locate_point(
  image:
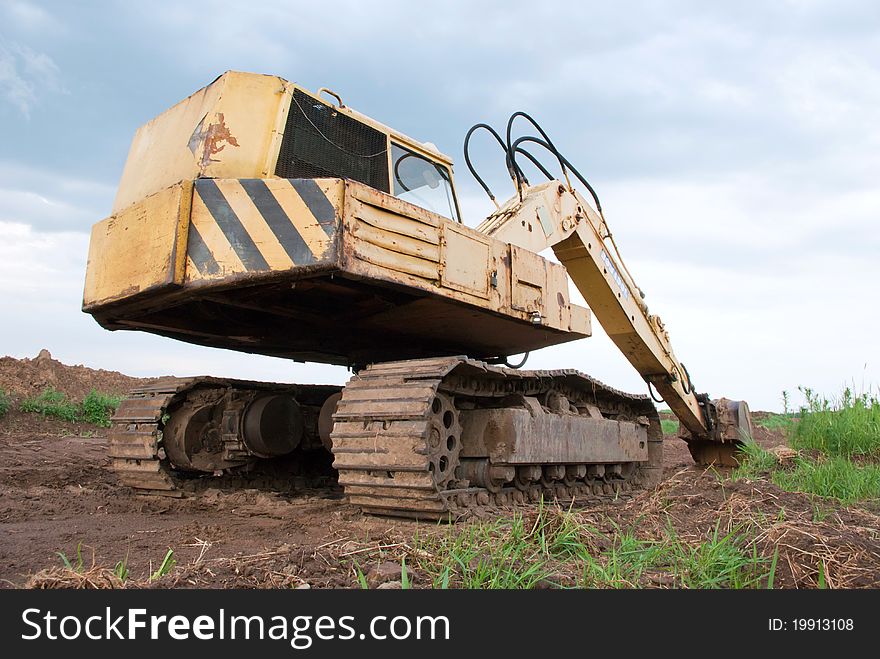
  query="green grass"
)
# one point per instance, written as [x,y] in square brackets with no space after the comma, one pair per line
[836,477]
[5,403]
[828,434]
[558,549]
[756,462]
[405,583]
[52,403]
[775,422]
[623,564]
[669,426]
[503,554]
[722,560]
[847,426]
[96,408]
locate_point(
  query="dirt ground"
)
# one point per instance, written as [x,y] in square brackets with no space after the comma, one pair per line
[56,493]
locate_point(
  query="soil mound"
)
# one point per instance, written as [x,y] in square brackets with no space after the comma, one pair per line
[23,378]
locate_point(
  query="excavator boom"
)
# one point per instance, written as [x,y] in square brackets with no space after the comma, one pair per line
[555,215]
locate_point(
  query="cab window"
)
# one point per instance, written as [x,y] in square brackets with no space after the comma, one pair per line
[422,182]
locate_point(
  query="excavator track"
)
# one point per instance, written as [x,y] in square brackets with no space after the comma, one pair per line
[135,437]
[139,451]
[397,437]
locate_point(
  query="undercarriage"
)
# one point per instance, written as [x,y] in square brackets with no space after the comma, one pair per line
[429,439]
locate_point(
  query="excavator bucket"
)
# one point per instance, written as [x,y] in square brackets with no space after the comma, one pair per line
[732,426]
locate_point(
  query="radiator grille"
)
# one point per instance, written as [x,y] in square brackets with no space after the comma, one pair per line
[320,142]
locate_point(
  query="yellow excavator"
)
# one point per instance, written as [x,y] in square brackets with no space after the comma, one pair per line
[260,217]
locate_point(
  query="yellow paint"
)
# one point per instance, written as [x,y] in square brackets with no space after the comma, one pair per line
[217,243]
[302,218]
[230,129]
[224,131]
[140,249]
[465,260]
[264,238]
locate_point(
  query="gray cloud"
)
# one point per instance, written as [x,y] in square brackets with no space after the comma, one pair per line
[25,76]
[735,147]
[48,201]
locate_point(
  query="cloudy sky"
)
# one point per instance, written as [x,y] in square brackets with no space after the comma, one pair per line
[735,146]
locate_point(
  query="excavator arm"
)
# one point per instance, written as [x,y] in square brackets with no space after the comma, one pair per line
[554,215]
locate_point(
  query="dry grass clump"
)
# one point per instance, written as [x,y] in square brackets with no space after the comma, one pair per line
[64,577]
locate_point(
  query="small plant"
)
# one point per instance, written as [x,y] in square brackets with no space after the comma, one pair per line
[5,403]
[362,580]
[98,408]
[669,426]
[167,565]
[51,403]
[404,576]
[121,569]
[70,565]
[77,565]
[771,577]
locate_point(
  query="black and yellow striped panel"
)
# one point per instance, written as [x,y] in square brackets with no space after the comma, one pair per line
[260,225]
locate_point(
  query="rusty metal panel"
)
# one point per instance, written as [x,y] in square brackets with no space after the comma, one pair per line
[465,265]
[516,436]
[390,239]
[227,129]
[556,306]
[403,225]
[528,277]
[368,232]
[261,225]
[139,250]
[580,320]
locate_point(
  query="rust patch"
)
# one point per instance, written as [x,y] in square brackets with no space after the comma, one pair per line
[128,292]
[211,140]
